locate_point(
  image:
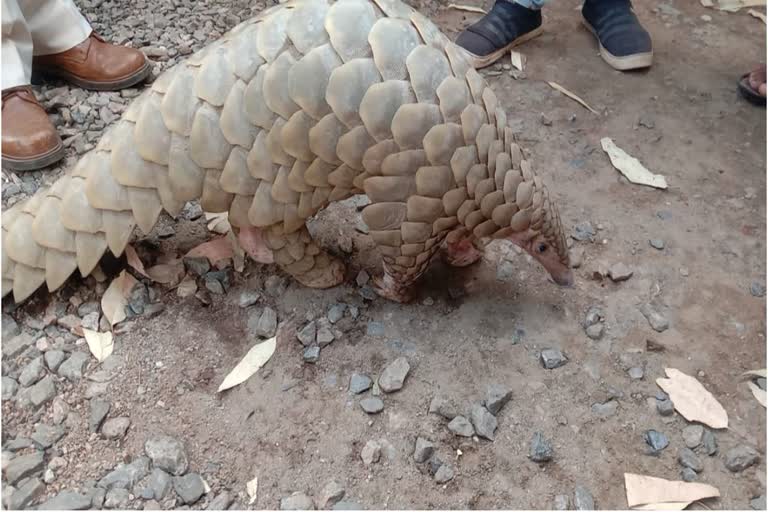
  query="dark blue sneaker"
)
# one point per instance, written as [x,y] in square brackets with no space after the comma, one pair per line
[505,26]
[624,43]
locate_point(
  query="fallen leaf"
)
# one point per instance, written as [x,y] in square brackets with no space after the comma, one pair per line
[99,343]
[692,400]
[758,392]
[756,373]
[252,242]
[252,488]
[707,3]
[568,93]
[167,273]
[756,14]
[517,59]
[468,8]
[250,364]
[631,167]
[116,297]
[651,493]
[215,250]
[134,261]
[218,222]
[736,5]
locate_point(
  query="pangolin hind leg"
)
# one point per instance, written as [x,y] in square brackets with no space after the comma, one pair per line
[462,248]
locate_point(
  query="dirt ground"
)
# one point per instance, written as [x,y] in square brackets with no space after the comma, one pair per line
[296,427]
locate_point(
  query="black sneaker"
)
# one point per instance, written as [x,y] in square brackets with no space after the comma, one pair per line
[504,27]
[624,43]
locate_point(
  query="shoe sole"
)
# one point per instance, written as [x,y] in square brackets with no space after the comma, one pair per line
[36,163]
[627,63]
[479,62]
[114,85]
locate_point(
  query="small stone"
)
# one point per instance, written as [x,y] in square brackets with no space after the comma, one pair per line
[10,329]
[347,505]
[69,322]
[393,376]
[541,449]
[332,493]
[187,287]
[297,501]
[23,466]
[22,497]
[757,289]
[484,422]
[324,334]
[496,397]
[552,358]
[444,474]
[17,344]
[49,476]
[758,503]
[53,359]
[443,407]
[125,476]
[98,412]
[635,373]
[198,266]
[91,321]
[115,428]
[656,440]
[374,329]
[9,388]
[461,427]
[619,272]
[32,372]
[359,383]
[372,405]
[688,475]
[582,498]
[221,502]
[189,487]
[263,324]
[307,334]
[72,368]
[275,286]
[18,444]
[595,332]
[605,410]
[362,278]
[583,232]
[740,458]
[692,435]
[665,407]
[46,435]
[154,505]
[167,454]
[67,500]
[657,321]
[709,443]
[546,121]
[657,243]
[116,498]
[562,502]
[423,450]
[159,483]
[213,285]
[687,458]
[248,298]
[336,313]
[311,354]
[371,453]
[43,391]
[761,383]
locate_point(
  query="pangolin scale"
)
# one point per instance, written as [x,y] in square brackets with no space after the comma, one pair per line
[308,103]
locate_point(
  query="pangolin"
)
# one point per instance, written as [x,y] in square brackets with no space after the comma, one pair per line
[310,102]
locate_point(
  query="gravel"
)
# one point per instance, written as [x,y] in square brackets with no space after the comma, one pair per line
[23,466]
[125,476]
[72,368]
[263,324]
[32,489]
[741,457]
[636,373]
[443,407]
[758,503]
[53,359]
[496,397]
[687,458]
[98,412]
[9,388]
[552,358]
[32,372]
[374,329]
[297,501]
[583,232]
[307,334]
[359,383]
[17,344]
[116,498]
[45,435]
[372,405]
[461,427]
[115,428]
[332,493]
[619,272]
[248,298]
[189,487]
[692,435]
[582,498]
[757,289]
[656,441]
[541,449]
[688,475]
[657,321]
[159,482]
[665,407]
[168,454]
[444,474]
[484,422]
[423,450]
[43,391]
[393,376]
[657,243]
[709,443]
[222,501]
[561,502]
[324,334]
[605,410]
[67,500]
[370,453]
[595,332]
[311,354]
[336,312]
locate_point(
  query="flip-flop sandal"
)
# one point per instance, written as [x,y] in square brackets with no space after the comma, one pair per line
[748,92]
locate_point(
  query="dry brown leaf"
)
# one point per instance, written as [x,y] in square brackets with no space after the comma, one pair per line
[116,297]
[256,357]
[568,93]
[218,222]
[252,488]
[134,261]
[643,490]
[692,400]
[631,167]
[252,242]
[758,392]
[170,273]
[100,344]
[468,8]
[757,14]
[215,250]
[517,59]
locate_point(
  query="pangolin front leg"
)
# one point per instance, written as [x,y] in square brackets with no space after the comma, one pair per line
[300,256]
[462,248]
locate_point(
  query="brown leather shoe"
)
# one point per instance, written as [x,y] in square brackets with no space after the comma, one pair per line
[30,141]
[95,64]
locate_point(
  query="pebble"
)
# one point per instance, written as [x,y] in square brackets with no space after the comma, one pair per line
[125,476]
[758,503]
[605,410]
[688,475]
[336,313]
[423,450]
[709,443]
[636,373]
[297,501]
[23,466]
[443,407]
[582,498]
[371,453]
[221,502]
[115,428]
[17,345]
[619,272]
[307,334]
[393,376]
[275,286]
[665,407]
[372,405]
[444,474]
[656,440]
[168,454]
[43,391]
[692,435]
[595,332]
[324,334]
[311,354]
[687,458]
[264,323]
[116,498]
[362,278]
[657,321]
[53,359]
[189,487]
[484,422]
[331,494]
[198,266]
[46,435]
[347,505]
[757,289]
[761,383]
[741,457]
[9,388]
[496,397]
[22,497]
[91,321]
[98,412]
[374,329]
[562,502]
[657,243]
[461,427]
[359,383]
[541,449]
[552,358]
[159,483]
[10,329]
[32,372]
[67,500]
[583,232]
[72,368]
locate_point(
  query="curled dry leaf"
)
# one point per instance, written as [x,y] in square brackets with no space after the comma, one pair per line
[215,250]
[757,14]
[692,400]
[218,222]
[517,59]
[134,261]
[568,93]
[467,8]
[252,242]
[631,167]
[250,364]
[757,392]
[170,273]
[651,493]
[116,297]
[100,344]
[252,488]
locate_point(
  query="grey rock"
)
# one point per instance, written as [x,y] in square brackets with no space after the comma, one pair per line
[86,308]
[336,313]
[60,410]
[461,426]
[636,373]
[324,333]
[20,443]
[22,497]
[17,344]
[665,407]
[10,387]
[275,286]
[595,332]
[443,407]
[657,243]
[562,502]
[444,474]
[222,501]
[692,435]
[374,329]
[54,358]
[372,405]
[98,412]
[67,500]
[708,443]
[541,449]
[213,285]
[582,498]
[619,272]
[484,422]
[167,454]
[72,368]
[362,278]
[43,391]
[758,503]
[347,505]
[248,298]
[423,450]
[605,410]
[189,487]
[10,328]
[116,498]
[552,358]
[46,435]
[757,289]
[311,354]
[297,501]
[198,266]
[688,475]
[496,397]
[115,428]
[761,383]
[687,458]
[331,494]
[657,321]
[370,453]
[359,383]
[583,232]
[264,323]
[741,457]
[656,440]
[393,376]
[23,466]
[307,334]
[32,372]
[125,476]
